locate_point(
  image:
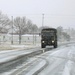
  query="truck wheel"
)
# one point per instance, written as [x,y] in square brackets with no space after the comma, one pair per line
[42,45]
[55,45]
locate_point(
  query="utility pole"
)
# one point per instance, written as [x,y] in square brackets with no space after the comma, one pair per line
[42,20]
[12,30]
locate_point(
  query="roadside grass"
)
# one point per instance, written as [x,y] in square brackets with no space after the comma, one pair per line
[26,42]
[7,47]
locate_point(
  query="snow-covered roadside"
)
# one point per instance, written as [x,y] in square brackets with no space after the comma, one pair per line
[70,65]
[16,47]
[7,55]
[10,55]
[57,57]
[68,70]
[62,62]
[26,46]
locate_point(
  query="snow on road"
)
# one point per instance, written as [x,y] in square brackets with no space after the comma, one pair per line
[61,62]
[11,54]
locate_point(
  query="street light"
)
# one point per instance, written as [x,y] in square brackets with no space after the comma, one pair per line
[42,20]
[12,30]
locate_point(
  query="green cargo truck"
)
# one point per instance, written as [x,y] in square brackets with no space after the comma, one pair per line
[49,37]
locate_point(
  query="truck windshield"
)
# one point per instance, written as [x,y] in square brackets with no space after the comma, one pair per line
[48,33]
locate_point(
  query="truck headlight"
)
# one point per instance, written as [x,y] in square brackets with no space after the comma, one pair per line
[43,41]
[52,41]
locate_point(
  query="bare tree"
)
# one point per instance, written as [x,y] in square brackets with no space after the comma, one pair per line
[29,26]
[4,23]
[20,25]
[34,28]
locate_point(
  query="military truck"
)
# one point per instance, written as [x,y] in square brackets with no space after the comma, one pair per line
[49,37]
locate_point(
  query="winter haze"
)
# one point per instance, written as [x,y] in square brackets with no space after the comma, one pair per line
[56,12]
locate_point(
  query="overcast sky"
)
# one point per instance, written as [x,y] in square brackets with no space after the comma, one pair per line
[56,12]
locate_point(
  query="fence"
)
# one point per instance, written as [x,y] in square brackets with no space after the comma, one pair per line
[25,39]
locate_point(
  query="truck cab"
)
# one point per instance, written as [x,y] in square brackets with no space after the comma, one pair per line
[49,37]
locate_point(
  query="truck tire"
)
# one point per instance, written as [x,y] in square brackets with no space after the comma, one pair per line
[42,45]
[55,45]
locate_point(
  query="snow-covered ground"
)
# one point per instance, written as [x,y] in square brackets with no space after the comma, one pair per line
[61,60]
[7,55]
